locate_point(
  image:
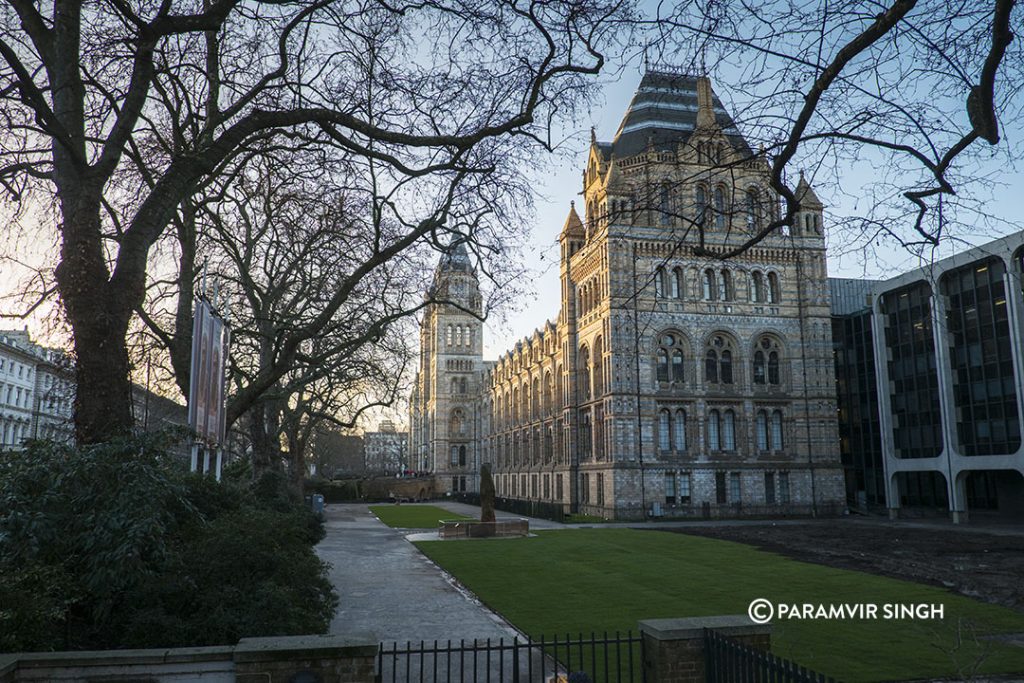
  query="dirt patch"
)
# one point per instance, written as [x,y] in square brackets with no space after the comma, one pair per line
[985,566]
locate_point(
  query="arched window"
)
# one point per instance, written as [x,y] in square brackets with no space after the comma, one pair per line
[710,288]
[753,209]
[777,430]
[757,290]
[659,282]
[669,358]
[719,153]
[762,430]
[665,204]
[725,286]
[773,288]
[462,456]
[535,405]
[760,374]
[714,423]
[773,367]
[469,336]
[677,283]
[458,335]
[548,393]
[449,336]
[457,423]
[584,373]
[729,431]
[711,366]
[680,430]
[700,209]
[718,360]
[719,208]
[664,429]
[598,367]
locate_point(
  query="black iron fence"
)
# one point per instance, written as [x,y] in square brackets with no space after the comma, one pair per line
[528,508]
[729,661]
[596,659]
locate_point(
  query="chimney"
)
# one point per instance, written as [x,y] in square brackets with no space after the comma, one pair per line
[705,112]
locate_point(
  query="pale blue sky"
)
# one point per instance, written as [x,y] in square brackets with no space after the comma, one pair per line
[562,183]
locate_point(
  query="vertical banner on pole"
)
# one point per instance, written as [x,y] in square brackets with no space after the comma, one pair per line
[206,410]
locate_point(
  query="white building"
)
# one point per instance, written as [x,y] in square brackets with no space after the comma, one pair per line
[386,449]
[18,365]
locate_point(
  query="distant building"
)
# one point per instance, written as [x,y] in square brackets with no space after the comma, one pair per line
[18,391]
[386,449]
[37,395]
[939,352]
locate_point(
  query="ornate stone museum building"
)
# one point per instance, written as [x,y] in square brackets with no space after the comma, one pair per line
[668,384]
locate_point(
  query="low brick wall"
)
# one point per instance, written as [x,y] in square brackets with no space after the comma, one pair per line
[465,528]
[325,659]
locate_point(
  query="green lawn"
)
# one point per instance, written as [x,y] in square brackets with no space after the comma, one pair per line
[413,516]
[608,579]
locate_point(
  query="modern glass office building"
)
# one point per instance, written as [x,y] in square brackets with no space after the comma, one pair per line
[929,370]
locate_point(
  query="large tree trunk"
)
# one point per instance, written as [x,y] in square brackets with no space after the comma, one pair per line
[99,319]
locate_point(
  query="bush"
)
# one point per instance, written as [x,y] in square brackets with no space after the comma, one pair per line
[110,546]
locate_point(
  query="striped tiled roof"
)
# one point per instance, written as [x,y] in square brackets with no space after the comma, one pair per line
[664,111]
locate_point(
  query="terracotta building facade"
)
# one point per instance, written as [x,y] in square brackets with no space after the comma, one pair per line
[669,384]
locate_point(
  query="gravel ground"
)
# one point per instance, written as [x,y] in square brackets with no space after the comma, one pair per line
[982,565]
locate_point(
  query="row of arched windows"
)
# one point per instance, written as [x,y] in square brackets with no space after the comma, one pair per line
[720,430]
[588,296]
[710,153]
[718,210]
[717,285]
[719,355]
[528,401]
[459,335]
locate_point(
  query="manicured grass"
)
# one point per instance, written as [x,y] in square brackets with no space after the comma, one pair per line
[578,518]
[413,516]
[608,579]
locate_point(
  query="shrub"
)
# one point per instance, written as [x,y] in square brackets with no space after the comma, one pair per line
[111,546]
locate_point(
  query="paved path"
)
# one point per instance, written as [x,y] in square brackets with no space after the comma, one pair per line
[389,591]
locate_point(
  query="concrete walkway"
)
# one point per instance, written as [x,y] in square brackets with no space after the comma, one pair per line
[390,592]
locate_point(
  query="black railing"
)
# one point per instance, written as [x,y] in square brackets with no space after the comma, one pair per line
[527,508]
[729,661]
[597,659]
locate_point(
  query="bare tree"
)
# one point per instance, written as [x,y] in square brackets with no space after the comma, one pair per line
[917,88]
[117,110]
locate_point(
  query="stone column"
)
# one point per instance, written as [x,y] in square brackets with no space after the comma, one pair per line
[674,648]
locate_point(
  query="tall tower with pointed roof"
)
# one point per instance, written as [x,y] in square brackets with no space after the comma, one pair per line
[444,434]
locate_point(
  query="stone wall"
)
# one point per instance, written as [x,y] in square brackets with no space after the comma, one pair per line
[323,659]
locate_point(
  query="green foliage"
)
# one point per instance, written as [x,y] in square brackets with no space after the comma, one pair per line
[248,572]
[113,546]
